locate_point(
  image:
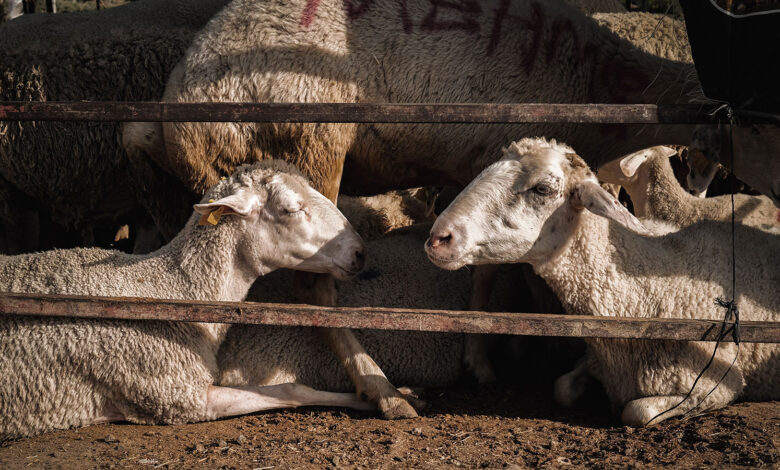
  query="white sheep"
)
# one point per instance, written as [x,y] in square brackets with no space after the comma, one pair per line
[649,179]
[397,274]
[542,205]
[63,372]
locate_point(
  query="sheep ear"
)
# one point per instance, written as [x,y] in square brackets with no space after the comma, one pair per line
[664,151]
[619,171]
[630,164]
[242,203]
[593,197]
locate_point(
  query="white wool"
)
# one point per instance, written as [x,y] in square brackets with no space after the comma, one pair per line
[64,372]
[584,244]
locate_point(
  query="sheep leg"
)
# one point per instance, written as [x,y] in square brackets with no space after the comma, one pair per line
[370,382]
[571,386]
[483,278]
[645,411]
[109,414]
[476,360]
[222,402]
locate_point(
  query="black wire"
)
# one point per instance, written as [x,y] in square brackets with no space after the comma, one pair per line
[731,306]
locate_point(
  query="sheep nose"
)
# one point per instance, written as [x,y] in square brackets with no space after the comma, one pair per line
[360,259]
[440,239]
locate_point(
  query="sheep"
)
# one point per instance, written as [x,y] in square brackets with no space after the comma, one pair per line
[542,205]
[653,33]
[754,160]
[649,179]
[76,173]
[377,215]
[396,275]
[331,51]
[64,372]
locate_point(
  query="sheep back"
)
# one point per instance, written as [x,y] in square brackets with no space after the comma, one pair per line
[76,170]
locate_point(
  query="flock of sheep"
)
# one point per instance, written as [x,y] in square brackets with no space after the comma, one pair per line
[264,196]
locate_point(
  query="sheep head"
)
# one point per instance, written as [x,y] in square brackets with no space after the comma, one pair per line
[632,172]
[280,221]
[703,157]
[522,208]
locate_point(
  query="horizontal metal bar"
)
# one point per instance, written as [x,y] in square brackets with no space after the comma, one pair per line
[532,324]
[356,112]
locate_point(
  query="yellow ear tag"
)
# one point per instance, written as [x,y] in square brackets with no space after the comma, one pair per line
[212,218]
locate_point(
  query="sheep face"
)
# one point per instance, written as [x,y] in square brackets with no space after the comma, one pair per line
[703,156]
[284,223]
[523,208]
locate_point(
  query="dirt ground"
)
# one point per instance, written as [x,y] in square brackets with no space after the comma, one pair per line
[507,425]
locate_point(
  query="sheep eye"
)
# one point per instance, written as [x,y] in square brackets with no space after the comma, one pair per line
[543,189]
[293,211]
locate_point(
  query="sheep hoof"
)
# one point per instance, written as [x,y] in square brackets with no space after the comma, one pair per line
[415,392]
[412,395]
[397,407]
[652,410]
[484,376]
[570,387]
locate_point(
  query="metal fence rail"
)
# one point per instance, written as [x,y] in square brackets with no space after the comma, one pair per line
[496,113]
[535,324]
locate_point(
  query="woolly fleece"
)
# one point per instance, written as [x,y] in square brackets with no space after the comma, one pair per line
[63,373]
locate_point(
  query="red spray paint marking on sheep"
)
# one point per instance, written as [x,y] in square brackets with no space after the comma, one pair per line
[309,11]
[464,15]
[469,12]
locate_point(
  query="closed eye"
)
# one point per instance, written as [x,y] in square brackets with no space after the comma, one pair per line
[542,189]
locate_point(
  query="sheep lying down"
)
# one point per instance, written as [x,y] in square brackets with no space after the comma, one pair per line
[61,372]
[397,274]
[540,204]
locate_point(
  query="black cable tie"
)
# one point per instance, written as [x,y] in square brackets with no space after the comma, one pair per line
[731,311]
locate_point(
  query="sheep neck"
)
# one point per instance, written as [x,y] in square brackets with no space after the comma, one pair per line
[665,198]
[583,271]
[210,264]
